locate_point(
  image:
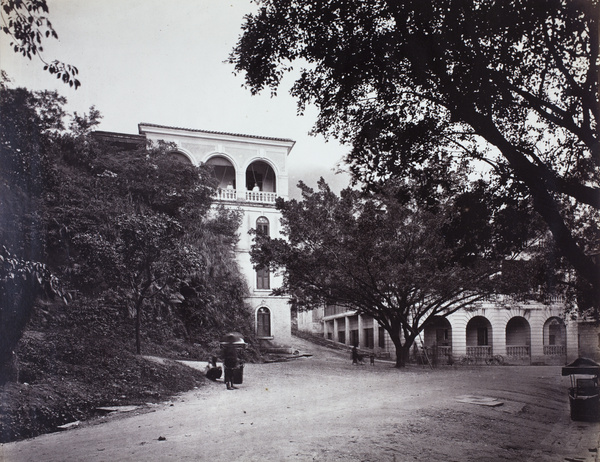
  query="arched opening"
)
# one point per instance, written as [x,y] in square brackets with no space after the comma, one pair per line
[224,172]
[260,177]
[180,157]
[263,322]
[437,337]
[479,336]
[518,337]
[555,337]
[262,226]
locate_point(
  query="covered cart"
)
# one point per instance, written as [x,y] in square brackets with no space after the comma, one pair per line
[235,340]
[584,394]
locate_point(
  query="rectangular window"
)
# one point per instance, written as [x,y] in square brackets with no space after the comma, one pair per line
[369,338]
[381,337]
[262,279]
[342,336]
[354,337]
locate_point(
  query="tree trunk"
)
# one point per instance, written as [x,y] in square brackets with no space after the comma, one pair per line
[402,351]
[402,355]
[138,324]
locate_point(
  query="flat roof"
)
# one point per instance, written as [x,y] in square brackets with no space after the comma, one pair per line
[208,132]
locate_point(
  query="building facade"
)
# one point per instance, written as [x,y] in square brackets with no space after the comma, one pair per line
[252,173]
[520,332]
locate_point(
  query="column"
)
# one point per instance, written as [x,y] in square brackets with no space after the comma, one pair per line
[459,336]
[361,335]
[572,340]
[536,324]
[335,330]
[347,326]
[499,339]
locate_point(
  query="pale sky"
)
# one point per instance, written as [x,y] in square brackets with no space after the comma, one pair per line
[162,62]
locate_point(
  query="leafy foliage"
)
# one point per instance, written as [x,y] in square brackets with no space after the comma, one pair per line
[21,282]
[130,227]
[392,260]
[137,226]
[511,85]
[26,23]
[27,120]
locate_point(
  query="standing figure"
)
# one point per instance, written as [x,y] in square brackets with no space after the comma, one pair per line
[354,355]
[230,361]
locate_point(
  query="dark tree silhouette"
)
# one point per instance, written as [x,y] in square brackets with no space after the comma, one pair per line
[512,84]
[27,25]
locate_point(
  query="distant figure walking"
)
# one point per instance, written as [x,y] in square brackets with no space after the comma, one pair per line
[230,361]
[372,359]
[356,357]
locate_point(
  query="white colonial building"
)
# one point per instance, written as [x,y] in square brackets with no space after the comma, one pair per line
[522,332]
[252,173]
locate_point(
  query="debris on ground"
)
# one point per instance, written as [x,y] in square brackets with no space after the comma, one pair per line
[69,425]
[481,400]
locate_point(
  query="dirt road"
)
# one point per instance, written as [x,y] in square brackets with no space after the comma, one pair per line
[322,408]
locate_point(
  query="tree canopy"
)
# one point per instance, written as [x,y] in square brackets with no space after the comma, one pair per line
[400,262]
[130,227]
[137,226]
[512,85]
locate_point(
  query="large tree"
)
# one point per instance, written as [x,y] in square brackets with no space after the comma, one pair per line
[137,225]
[511,84]
[27,120]
[399,261]
[127,226]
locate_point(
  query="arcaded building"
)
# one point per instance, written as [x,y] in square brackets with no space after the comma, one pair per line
[252,173]
[521,332]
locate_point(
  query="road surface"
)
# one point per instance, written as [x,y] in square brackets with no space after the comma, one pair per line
[325,409]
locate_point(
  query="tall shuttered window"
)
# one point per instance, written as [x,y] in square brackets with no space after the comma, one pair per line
[263,322]
[262,275]
[262,279]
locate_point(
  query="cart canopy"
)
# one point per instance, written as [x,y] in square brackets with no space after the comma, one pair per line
[581,366]
[233,338]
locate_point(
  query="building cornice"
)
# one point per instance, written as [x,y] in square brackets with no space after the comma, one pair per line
[146,128]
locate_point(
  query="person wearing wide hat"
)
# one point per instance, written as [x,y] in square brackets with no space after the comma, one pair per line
[230,343]
[230,361]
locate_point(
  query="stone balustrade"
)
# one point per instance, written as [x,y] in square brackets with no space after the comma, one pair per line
[517,351]
[555,350]
[483,351]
